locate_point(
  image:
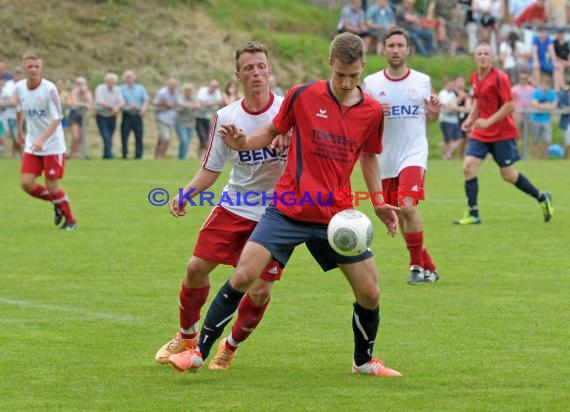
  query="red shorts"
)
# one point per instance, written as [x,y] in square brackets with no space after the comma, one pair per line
[223,237]
[53,166]
[409,183]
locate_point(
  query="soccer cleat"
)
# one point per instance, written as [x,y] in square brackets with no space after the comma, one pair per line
[57,217]
[70,226]
[175,345]
[546,205]
[430,276]
[416,275]
[375,367]
[188,360]
[468,220]
[224,357]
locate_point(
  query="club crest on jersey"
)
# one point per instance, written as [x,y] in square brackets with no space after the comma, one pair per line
[414,94]
[382,94]
[322,113]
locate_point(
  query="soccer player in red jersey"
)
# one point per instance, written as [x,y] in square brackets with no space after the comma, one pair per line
[334,124]
[44,140]
[408,102]
[493,131]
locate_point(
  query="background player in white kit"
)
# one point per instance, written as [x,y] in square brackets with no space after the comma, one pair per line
[44,149]
[407,100]
[228,227]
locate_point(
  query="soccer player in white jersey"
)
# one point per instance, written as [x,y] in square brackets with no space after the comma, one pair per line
[408,101]
[44,149]
[241,204]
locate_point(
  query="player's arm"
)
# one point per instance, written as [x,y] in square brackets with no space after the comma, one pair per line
[237,139]
[433,107]
[372,178]
[471,117]
[506,109]
[46,135]
[203,180]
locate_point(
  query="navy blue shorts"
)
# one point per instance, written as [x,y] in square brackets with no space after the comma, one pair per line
[504,152]
[451,131]
[280,235]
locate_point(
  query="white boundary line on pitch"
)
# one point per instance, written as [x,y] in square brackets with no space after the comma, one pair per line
[67,309]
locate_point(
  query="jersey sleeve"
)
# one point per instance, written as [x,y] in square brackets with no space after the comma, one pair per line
[505,91]
[54,104]
[217,153]
[285,118]
[373,143]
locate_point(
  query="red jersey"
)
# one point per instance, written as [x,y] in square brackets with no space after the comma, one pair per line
[532,14]
[327,140]
[491,93]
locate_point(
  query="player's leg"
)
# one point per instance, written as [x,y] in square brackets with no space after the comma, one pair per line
[363,279]
[193,295]
[506,154]
[474,155]
[250,312]
[54,167]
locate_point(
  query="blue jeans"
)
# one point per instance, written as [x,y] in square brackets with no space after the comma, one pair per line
[422,41]
[106,127]
[184,135]
[132,122]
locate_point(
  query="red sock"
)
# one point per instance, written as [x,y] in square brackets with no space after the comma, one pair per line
[191,302]
[40,192]
[415,244]
[428,262]
[60,201]
[249,316]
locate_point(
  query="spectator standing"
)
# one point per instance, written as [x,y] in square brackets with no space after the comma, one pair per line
[136,102]
[380,17]
[231,92]
[543,55]
[522,96]
[166,105]
[561,60]
[353,20]
[450,17]
[544,99]
[489,14]
[409,19]
[80,102]
[564,103]
[449,119]
[7,102]
[108,102]
[211,99]
[514,56]
[186,119]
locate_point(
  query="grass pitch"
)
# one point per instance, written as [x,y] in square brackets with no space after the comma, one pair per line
[83,313]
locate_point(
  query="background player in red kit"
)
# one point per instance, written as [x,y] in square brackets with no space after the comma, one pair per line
[333,124]
[493,131]
[44,149]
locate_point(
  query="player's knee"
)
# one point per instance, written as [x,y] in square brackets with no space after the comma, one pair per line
[242,279]
[259,295]
[27,186]
[195,272]
[370,298]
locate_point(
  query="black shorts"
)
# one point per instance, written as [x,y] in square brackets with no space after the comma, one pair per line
[280,235]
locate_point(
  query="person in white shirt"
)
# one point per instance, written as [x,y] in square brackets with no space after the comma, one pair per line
[210,99]
[407,101]
[44,150]
[108,102]
[449,119]
[239,208]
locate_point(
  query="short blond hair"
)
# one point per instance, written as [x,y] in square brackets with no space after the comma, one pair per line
[31,55]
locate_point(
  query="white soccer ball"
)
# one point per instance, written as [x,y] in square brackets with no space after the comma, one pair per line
[350,232]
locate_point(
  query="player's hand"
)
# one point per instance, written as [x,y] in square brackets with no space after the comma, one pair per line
[481,123]
[433,105]
[21,138]
[281,142]
[176,209]
[38,146]
[387,214]
[232,136]
[467,126]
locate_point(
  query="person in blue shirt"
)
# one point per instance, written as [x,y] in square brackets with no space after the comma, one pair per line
[136,102]
[544,99]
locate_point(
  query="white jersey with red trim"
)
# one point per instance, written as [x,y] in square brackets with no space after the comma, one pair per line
[254,172]
[41,106]
[405,130]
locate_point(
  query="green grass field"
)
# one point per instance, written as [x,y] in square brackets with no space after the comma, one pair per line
[83,313]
